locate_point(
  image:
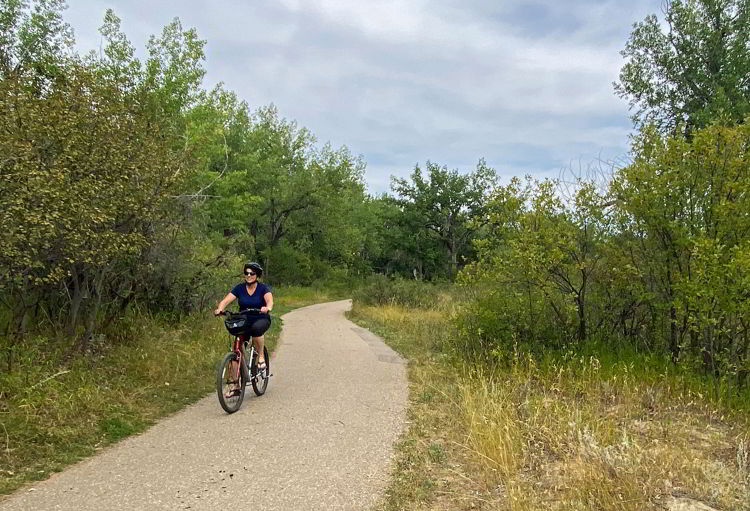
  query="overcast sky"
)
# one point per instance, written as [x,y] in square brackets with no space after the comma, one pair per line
[527,85]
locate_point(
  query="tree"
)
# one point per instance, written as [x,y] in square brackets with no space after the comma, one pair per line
[92,155]
[696,70]
[79,190]
[35,39]
[540,257]
[686,207]
[332,228]
[218,128]
[396,241]
[268,189]
[174,69]
[449,205]
[117,60]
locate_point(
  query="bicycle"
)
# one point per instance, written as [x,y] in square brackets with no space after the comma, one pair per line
[233,372]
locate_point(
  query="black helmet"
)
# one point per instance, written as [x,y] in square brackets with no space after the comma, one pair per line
[255,267]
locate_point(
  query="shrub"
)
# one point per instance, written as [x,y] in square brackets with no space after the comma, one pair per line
[497,322]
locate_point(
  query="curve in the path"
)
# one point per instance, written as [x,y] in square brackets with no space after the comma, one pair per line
[320,438]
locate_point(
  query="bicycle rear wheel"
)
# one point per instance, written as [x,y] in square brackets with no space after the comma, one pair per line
[230,383]
[259,378]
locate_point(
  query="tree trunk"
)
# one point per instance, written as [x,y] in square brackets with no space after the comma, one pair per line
[742,360]
[581,318]
[454,257]
[75,302]
[581,302]
[93,311]
[674,346]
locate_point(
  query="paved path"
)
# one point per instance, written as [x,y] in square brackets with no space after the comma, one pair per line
[320,438]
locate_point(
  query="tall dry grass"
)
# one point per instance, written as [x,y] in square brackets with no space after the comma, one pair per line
[565,432]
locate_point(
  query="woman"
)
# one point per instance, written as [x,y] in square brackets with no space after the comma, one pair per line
[252,294]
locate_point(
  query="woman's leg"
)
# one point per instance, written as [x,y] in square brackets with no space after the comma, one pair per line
[259,342]
[257,330]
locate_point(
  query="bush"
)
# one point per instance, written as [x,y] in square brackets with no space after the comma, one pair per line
[495,323]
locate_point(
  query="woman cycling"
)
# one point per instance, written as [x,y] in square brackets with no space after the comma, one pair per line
[252,294]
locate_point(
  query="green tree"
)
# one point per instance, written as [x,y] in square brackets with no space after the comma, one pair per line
[90,164]
[79,189]
[295,182]
[694,70]
[333,227]
[218,128]
[686,210]
[174,69]
[447,204]
[34,38]
[539,262]
[117,60]
[412,250]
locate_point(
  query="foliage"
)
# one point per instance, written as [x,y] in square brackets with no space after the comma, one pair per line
[444,208]
[657,263]
[35,40]
[80,189]
[692,68]
[535,268]
[268,186]
[395,244]
[685,206]
[291,266]
[124,183]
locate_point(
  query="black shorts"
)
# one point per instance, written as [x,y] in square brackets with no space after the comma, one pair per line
[258,326]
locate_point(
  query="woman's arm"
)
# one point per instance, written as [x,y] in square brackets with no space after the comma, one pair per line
[223,304]
[268,297]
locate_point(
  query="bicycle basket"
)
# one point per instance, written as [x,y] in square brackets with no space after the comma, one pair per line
[236,325]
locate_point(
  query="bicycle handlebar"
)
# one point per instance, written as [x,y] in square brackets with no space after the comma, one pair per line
[225,313]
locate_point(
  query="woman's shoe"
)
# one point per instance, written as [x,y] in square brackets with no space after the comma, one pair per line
[232,393]
[261,365]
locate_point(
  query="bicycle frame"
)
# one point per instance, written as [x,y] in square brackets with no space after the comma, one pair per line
[237,345]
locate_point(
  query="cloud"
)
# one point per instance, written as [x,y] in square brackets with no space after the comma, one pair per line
[525,84]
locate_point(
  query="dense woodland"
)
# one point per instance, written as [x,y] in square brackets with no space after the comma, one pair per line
[128,188]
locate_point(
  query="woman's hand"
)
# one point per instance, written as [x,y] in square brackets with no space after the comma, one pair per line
[218,312]
[264,310]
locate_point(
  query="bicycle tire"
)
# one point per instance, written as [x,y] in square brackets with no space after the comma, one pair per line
[230,404]
[260,381]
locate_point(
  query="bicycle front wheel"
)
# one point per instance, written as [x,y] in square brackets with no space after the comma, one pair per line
[260,377]
[230,383]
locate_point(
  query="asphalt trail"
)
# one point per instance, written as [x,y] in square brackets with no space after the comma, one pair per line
[321,437]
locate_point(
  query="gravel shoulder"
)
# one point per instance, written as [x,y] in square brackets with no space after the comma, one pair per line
[320,438]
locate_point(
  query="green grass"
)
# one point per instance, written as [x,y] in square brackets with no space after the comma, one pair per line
[55,411]
[592,430]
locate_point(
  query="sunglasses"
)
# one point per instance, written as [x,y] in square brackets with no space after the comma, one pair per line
[250,273]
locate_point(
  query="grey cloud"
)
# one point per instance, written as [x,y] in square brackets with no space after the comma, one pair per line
[527,85]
